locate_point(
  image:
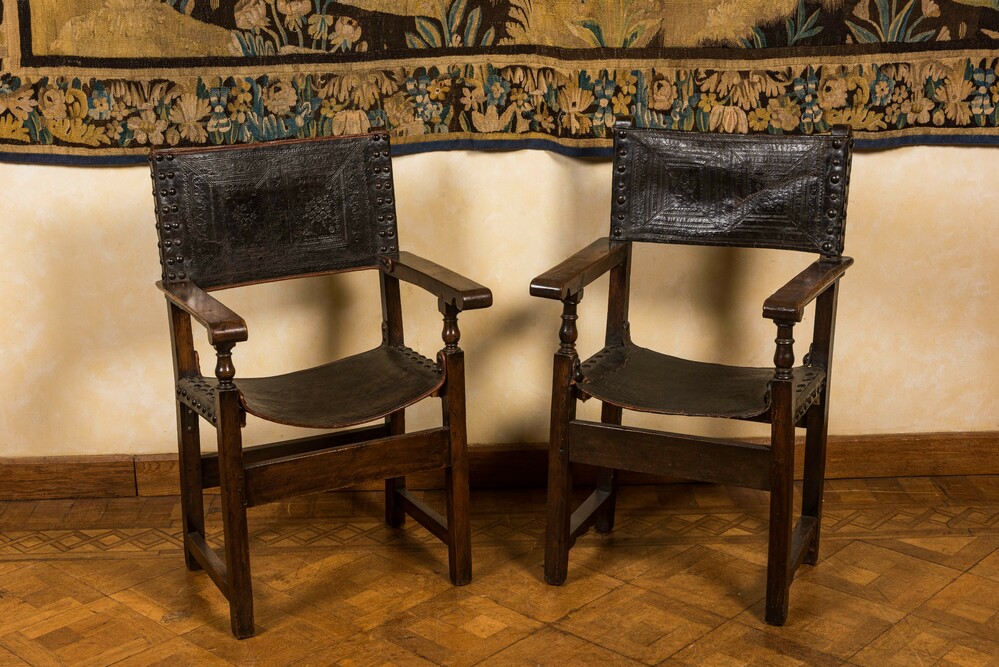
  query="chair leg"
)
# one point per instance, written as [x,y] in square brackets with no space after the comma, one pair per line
[192,505]
[779,572]
[815,472]
[557,532]
[236,534]
[459,517]
[607,477]
[395,512]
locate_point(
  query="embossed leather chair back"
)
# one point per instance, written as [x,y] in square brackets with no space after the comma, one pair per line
[727,190]
[747,191]
[247,214]
[230,216]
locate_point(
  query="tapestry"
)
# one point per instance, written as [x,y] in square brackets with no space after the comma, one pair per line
[102,81]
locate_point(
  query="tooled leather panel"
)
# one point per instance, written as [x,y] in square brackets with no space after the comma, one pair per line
[785,192]
[637,378]
[244,214]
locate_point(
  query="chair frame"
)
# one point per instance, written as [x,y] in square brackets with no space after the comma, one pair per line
[250,476]
[609,446]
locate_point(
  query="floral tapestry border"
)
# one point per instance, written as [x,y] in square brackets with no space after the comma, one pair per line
[106,115]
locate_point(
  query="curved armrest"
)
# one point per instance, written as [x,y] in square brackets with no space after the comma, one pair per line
[788,303]
[224,326]
[575,273]
[450,287]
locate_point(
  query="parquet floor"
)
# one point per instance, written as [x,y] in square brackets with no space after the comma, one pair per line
[909,575]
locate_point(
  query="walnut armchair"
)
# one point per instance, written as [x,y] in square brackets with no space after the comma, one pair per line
[777,192]
[250,214]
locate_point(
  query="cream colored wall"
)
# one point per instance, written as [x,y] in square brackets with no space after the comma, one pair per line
[84,357]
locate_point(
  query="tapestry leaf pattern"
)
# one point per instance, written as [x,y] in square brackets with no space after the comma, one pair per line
[104,80]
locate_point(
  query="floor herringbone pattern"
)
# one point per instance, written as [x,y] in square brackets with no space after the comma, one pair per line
[909,575]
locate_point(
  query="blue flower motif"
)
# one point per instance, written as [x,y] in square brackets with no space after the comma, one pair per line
[604,89]
[806,92]
[417,87]
[881,89]
[983,78]
[218,99]
[496,90]
[982,103]
[99,103]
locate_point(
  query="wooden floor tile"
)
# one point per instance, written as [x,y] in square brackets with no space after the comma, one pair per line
[827,620]
[34,592]
[640,624]
[918,641]
[621,561]
[711,579]
[279,641]
[521,587]
[362,594]
[8,658]
[959,551]
[988,567]
[968,604]
[736,645]
[364,650]
[172,653]
[874,573]
[99,633]
[110,575]
[908,574]
[457,628]
[553,648]
[178,599]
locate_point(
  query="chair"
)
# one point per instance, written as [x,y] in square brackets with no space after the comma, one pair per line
[778,192]
[250,214]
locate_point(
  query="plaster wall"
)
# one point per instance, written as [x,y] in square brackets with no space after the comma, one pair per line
[84,350]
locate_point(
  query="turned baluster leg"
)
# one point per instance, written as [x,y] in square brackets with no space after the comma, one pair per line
[781,478]
[233,490]
[459,516]
[563,410]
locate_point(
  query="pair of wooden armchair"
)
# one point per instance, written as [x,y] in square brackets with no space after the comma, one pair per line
[242,215]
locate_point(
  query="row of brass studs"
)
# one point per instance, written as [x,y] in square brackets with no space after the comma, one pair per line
[804,402]
[189,399]
[419,359]
[169,232]
[836,197]
[620,184]
[379,156]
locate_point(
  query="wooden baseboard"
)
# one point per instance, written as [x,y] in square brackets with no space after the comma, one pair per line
[508,466]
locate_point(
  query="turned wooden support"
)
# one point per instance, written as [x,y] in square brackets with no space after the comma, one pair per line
[568,333]
[784,355]
[224,369]
[450,334]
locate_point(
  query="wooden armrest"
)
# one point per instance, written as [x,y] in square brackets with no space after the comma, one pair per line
[575,273]
[224,326]
[788,303]
[452,288]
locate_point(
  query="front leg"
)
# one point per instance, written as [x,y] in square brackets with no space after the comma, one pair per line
[459,516]
[779,566]
[557,532]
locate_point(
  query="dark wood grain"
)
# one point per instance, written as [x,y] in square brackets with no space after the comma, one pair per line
[575,273]
[104,476]
[671,454]
[224,326]
[456,483]
[788,303]
[342,466]
[453,288]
